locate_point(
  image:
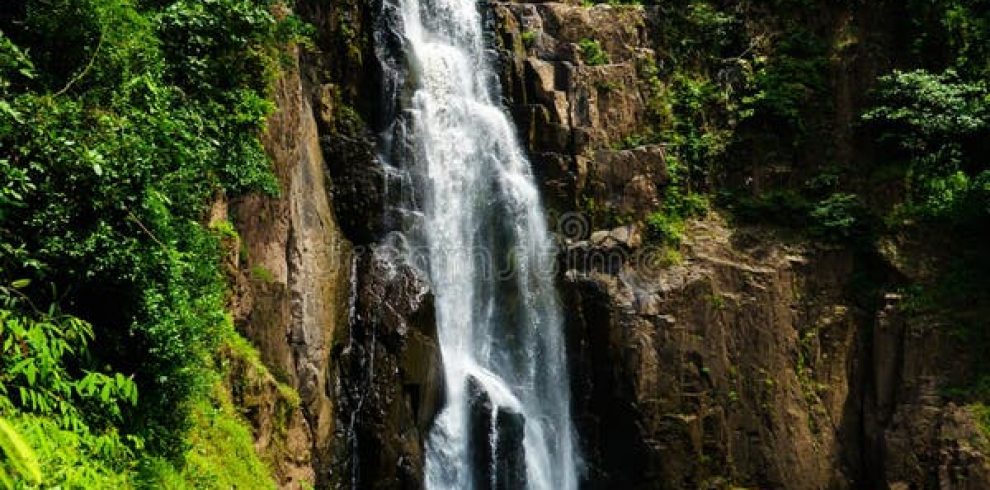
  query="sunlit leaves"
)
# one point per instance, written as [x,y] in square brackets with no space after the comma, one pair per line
[33,358]
[936,124]
[18,461]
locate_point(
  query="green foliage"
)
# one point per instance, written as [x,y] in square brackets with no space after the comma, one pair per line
[697,141]
[982,413]
[33,359]
[261,273]
[936,125]
[666,225]
[698,32]
[222,454]
[612,3]
[665,228]
[119,121]
[838,217]
[592,52]
[788,82]
[787,208]
[19,460]
[729,79]
[221,446]
[631,141]
[74,411]
[75,459]
[529,38]
[951,34]
[692,94]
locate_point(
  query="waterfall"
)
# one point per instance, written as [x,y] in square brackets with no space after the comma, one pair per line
[476,227]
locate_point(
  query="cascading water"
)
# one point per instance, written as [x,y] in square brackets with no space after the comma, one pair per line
[481,237]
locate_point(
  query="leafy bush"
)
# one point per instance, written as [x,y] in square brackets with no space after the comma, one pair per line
[529,38]
[120,120]
[780,207]
[33,361]
[665,228]
[73,412]
[592,52]
[76,459]
[951,34]
[838,217]
[222,453]
[982,413]
[935,125]
[786,84]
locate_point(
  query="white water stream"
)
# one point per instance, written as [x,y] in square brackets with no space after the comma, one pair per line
[487,249]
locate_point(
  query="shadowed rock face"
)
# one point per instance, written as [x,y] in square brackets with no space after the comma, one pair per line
[704,373]
[497,442]
[352,332]
[390,384]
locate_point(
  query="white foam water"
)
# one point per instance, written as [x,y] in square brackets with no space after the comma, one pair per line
[485,247]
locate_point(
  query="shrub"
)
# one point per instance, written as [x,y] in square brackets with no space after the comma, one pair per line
[837,217]
[529,38]
[592,52]
[935,126]
[665,228]
[33,359]
[19,461]
[780,207]
[120,120]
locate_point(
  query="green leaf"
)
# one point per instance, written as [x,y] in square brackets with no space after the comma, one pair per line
[20,283]
[31,372]
[6,108]
[20,455]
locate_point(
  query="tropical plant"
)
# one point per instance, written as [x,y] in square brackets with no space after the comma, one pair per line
[19,461]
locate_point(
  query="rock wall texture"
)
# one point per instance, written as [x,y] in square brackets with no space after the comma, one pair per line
[294,274]
[343,323]
[734,366]
[753,360]
[571,114]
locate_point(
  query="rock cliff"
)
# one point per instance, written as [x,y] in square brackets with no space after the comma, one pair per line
[333,315]
[753,358]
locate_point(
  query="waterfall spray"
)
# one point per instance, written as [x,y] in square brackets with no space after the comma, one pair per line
[483,241]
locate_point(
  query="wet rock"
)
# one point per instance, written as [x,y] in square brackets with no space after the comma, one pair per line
[358,182]
[497,443]
[390,381]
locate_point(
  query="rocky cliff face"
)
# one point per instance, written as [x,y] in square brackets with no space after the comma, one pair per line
[571,114]
[735,366]
[293,275]
[333,315]
[753,360]
[745,357]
